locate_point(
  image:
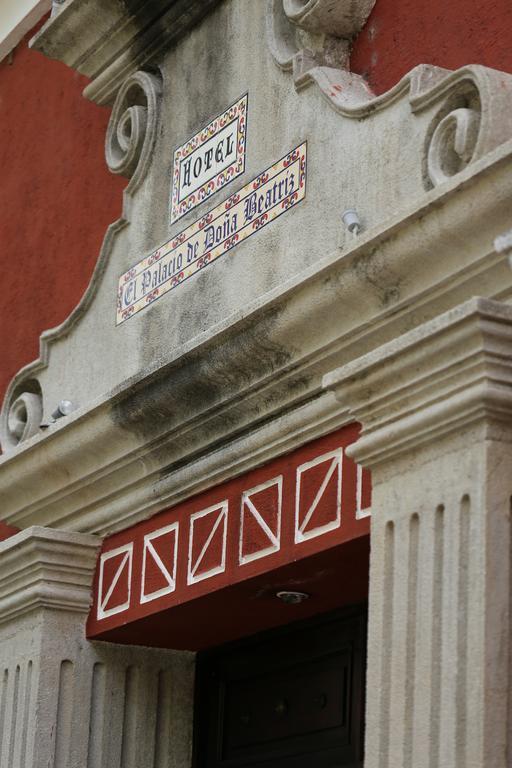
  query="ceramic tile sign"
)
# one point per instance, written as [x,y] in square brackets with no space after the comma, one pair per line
[209,160]
[264,199]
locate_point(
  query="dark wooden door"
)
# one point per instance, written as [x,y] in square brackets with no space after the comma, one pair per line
[290,698]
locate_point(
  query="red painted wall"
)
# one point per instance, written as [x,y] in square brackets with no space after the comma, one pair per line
[449,33]
[56,199]
[208,570]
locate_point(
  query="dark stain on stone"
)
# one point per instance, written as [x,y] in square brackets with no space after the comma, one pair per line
[197,383]
[232,427]
[169,22]
[371,267]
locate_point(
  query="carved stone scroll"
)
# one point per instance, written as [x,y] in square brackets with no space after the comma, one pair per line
[22,419]
[338,18]
[474,118]
[308,33]
[132,127]
[453,144]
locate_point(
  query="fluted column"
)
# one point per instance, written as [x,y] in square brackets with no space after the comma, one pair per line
[436,409]
[69,703]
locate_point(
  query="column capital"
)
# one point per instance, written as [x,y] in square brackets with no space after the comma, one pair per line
[452,373]
[46,568]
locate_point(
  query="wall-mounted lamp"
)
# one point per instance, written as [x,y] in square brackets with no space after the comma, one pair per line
[352,221]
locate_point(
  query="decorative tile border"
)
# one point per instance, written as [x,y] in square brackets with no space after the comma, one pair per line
[268,196]
[210,160]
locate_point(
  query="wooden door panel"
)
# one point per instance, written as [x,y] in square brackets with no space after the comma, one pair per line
[285,698]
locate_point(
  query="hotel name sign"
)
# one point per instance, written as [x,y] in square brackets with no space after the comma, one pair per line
[261,201]
[209,160]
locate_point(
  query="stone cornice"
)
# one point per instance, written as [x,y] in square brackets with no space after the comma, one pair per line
[149,444]
[446,375]
[42,568]
[109,41]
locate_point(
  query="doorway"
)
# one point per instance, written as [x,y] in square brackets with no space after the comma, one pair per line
[287,698]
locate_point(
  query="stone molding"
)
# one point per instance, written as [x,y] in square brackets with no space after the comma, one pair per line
[132,465]
[451,373]
[340,18]
[467,128]
[468,124]
[110,41]
[42,568]
[140,449]
[23,419]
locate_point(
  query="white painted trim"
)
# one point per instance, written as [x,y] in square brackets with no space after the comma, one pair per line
[222,508]
[127,550]
[17,17]
[170,577]
[274,538]
[360,512]
[336,463]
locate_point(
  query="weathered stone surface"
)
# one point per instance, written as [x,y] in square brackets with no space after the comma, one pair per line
[250,337]
[436,410]
[397,152]
[110,41]
[67,702]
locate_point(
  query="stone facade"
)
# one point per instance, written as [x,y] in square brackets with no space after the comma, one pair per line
[222,335]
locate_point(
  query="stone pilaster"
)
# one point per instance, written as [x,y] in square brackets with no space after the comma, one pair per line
[436,410]
[69,703]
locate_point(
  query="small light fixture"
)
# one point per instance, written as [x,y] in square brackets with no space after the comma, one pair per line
[64,408]
[292,598]
[352,221]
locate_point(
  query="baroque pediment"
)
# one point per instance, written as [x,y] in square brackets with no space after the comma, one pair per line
[232,281]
